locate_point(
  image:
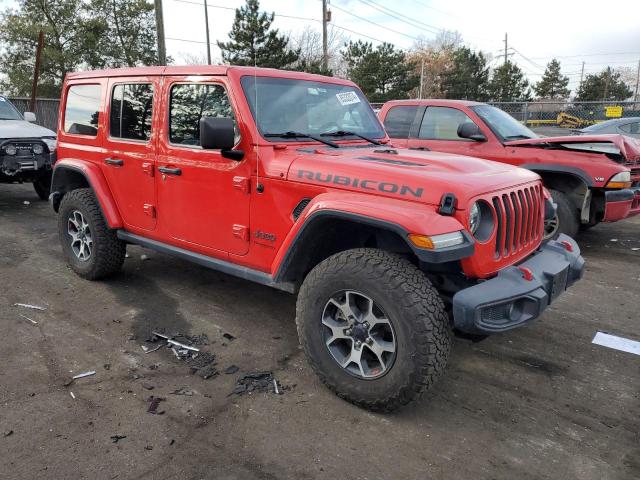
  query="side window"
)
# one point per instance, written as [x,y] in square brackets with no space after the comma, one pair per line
[398,121]
[632,128]
[81,110]
[131,111]
[191,102]
[441,123]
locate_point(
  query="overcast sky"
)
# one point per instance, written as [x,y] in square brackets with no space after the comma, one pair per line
[594,31]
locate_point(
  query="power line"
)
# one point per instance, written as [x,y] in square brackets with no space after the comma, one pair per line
[376,24]
[399,16]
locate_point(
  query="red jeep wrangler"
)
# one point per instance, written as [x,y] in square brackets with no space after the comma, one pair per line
[592,179]
[284,178]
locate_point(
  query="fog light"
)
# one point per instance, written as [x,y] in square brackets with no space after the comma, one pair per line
[37,149]
[10,150]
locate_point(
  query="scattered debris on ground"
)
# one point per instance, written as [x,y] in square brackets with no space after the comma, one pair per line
[7,434]
[148,447]
[258,382]
[231,369]
[117,438]
[147,386]
[154,402]
[27,305]
[229,337]
[182,391]
[84,374]
[202,363]
[29,319]
[72,395]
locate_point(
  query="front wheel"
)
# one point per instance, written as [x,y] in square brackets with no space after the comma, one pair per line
[92,249]
[567,218]
[373,328]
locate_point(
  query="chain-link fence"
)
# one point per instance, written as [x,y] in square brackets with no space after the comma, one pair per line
[46,110]
[558,116]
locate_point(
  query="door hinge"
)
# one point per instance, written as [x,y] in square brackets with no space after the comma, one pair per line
[241,232]
[147,167]
[149,210]
[241,183]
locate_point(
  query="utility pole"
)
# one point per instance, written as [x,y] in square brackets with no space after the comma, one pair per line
[206,21]
[326,17]
[36,73]
[162,49]
[421,80]
[505,48]
[581,76]
[635,97]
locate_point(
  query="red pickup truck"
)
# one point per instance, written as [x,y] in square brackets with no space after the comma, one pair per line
[592,179]
[286,179]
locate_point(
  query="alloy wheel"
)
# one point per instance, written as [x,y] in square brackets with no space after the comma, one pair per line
[81,236]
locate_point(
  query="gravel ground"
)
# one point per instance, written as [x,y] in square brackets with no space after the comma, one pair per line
[540,402]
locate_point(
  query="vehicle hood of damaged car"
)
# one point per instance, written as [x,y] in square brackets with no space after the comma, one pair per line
[414,175]
[22,129]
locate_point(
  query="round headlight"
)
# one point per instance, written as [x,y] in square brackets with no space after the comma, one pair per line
[37,149]
[10,150]
[474,218]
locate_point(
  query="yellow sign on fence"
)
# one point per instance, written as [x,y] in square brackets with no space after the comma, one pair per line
[613,112]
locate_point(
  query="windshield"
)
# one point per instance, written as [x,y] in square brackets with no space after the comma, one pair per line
[309,108]
[8,111]
[503,124]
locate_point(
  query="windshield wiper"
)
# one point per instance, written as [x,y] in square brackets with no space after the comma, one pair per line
[302,135]
[516,137]
[343,133]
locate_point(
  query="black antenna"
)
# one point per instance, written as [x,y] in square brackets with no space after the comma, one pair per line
[259,186]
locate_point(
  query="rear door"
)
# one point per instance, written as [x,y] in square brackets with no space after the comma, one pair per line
[129,162]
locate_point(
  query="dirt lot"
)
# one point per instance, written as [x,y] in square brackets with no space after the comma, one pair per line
[540,402]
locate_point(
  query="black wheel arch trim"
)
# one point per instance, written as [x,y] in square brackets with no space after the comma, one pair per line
[553,168]
[444,255]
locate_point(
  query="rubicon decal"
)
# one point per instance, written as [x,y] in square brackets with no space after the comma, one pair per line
[387,187]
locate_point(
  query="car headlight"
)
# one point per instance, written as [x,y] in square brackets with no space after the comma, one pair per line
[37,149]
[51,144]
[10,149]
[474,218]
[620,180]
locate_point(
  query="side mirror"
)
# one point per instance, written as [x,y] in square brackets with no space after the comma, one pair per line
[471,131]
[30,117]
[217,133]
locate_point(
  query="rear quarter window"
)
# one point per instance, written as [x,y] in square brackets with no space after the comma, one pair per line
[399,120]
[81,110]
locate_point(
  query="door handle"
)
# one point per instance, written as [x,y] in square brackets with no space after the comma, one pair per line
[114,161]
[170,171]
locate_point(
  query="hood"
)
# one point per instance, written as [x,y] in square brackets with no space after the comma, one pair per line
[420,176]
[617,147]
[23,129]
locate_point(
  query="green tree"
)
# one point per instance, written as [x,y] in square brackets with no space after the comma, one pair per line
[468,76]
[78,34]
[252,41]
[127,34]
[552,85]
[383,73]
[606,85]
[508,84]
[68,34]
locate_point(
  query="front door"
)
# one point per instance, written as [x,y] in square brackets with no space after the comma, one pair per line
[203,197]
[129,161]
[438,131]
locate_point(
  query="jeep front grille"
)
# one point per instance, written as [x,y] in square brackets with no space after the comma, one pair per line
[519,220]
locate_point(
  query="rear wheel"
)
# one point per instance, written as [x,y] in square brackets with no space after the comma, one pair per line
[92,249]
[373,328]
[567,219]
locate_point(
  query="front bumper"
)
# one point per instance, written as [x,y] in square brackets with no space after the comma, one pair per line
[519,293]
[16,166]
[621,204]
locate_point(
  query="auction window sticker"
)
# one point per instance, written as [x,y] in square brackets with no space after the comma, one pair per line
[347,98]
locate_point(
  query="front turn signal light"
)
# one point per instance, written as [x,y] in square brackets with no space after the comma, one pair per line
[435,242]
[620,180]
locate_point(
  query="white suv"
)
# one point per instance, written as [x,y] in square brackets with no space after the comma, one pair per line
[27,151]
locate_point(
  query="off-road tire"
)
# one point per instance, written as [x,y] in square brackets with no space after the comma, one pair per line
[568,215]
[42,185]
[423,332]
[108,252]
